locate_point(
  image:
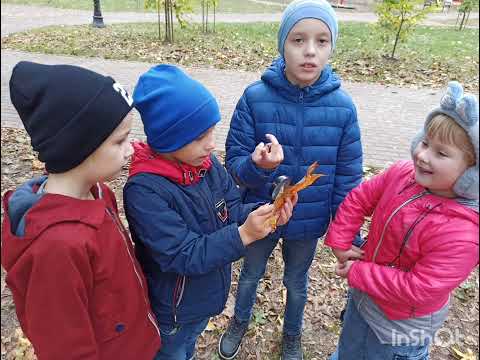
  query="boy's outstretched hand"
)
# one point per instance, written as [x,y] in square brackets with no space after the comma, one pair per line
[256,226]
[268,156]
[354,253]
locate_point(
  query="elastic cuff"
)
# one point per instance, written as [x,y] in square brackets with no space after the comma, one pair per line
[352,275]
[258,171]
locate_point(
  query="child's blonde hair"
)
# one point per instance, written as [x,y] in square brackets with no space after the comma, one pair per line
[446,129]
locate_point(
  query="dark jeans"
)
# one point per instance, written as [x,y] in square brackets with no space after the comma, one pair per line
[359,342]
[297,256]
[178,341]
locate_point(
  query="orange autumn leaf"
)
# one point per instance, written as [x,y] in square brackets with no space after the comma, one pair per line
[290,191]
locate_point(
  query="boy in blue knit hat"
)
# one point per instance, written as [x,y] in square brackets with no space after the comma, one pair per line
[299,104]
[184,210]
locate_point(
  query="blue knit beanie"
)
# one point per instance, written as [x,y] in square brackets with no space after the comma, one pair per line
[307,9]
[463,109]
[175,108]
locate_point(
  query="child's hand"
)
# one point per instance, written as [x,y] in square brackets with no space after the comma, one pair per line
[268,156]
[287,210]
[354,253]
[256,226]
[342,269]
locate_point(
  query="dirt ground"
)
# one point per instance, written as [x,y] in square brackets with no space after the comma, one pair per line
[326,296]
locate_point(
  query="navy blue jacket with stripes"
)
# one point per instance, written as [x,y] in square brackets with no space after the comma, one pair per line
[186,237]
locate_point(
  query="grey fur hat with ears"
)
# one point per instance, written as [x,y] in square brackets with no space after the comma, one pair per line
[464,110]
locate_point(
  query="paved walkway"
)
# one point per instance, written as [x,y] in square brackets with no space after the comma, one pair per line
[389,116]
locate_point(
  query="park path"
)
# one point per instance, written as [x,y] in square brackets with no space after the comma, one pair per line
[389,115]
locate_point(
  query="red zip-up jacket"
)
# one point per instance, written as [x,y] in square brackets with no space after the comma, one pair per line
[78,290]
[420,246]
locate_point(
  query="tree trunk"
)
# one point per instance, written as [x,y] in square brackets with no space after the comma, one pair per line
[168,22]
[171,22]
[159,22]
[214,16]
[462,21]
[167,30]
[206,20]
[203,16]
[397,37]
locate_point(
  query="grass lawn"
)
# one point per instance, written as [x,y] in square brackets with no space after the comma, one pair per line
[430,58]
[225,6]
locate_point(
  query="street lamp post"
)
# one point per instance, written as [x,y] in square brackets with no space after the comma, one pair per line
[97,15]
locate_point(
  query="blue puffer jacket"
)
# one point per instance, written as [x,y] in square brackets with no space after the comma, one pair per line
[185,238]
[316,123]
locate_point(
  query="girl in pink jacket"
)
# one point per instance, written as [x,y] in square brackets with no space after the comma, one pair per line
[422,243]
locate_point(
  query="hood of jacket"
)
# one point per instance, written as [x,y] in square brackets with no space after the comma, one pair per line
[145,160]
[21,201]
[275,77]
[28,212]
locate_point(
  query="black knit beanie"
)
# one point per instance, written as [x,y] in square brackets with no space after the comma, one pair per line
[68,111]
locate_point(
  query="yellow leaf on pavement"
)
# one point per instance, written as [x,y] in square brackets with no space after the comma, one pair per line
[37,165]
[457,354]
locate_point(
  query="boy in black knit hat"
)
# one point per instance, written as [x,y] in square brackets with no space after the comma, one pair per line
[78,290]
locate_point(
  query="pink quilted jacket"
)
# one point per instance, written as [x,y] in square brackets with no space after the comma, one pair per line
[420,246]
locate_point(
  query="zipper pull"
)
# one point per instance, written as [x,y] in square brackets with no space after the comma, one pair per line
[301,96]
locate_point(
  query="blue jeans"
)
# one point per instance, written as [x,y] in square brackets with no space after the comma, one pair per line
[359,342]
[178,341]
[297,256]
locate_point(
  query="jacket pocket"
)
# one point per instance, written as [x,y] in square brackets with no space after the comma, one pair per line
[110,320]
[167,330]
[110,329]
[412,353]
[178,293]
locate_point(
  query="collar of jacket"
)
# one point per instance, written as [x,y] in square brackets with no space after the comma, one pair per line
[275,77]
[145,160]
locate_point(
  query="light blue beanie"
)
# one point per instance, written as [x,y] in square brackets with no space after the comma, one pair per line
[464,110]
[175,109]
[307,9]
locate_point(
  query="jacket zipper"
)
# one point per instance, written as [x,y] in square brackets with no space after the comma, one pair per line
[214,228]
[405,203]
[121,229]
[178,295]
[298,147]
[179,288]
